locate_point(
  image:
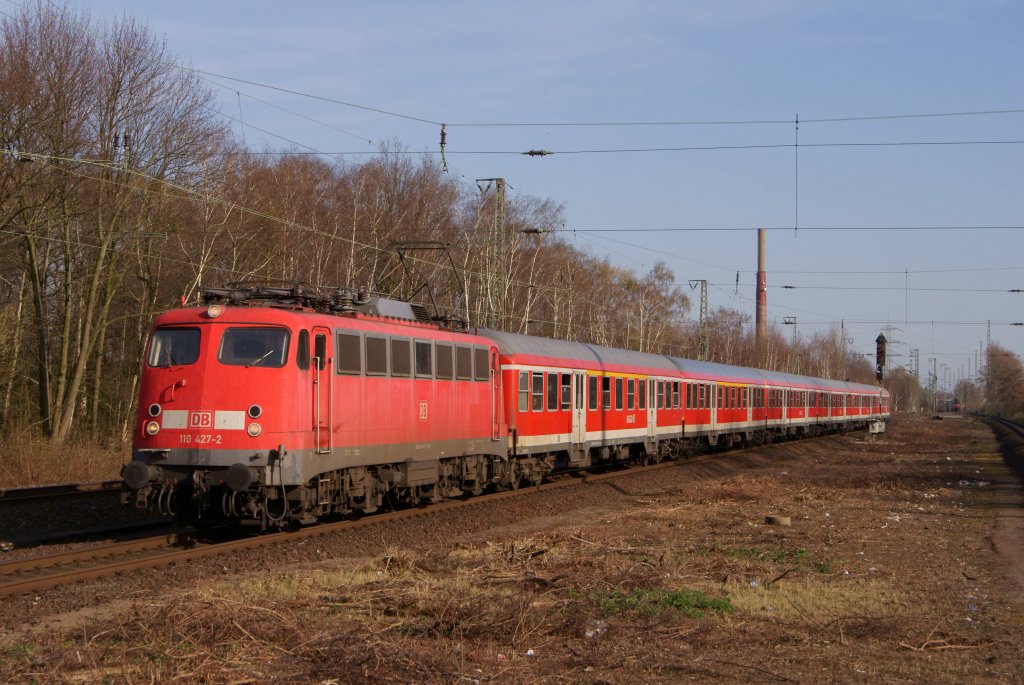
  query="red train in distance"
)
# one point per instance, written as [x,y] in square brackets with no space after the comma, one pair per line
[278,406]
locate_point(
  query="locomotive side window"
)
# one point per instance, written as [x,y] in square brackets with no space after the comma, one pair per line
[481,366]
[264,347]
[552,392]
[424,359]
[302,350]
[174,346]
[524,390]
[592,392]
[350,353]
[401,355]
[376,356]
[538,391]
[464,363]
[443,361]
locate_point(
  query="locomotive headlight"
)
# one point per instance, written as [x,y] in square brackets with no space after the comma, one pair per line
[152,428]
[214,310]
[154,410]
[255,411]
[254,430]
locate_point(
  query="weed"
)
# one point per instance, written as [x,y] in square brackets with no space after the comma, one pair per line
[691,603]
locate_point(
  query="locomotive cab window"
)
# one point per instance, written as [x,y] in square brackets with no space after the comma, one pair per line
[302,350]
[174,347]
[264,347]
[320,351]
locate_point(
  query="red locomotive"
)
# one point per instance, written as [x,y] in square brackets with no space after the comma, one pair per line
[278,406]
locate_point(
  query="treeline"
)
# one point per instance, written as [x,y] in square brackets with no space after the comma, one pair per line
[123,193]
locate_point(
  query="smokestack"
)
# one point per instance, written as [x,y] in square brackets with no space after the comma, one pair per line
[761,320]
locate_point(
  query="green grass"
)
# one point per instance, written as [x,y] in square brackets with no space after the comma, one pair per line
[691,603]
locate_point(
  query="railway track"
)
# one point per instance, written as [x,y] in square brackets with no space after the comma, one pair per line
[42,573]
[65,490]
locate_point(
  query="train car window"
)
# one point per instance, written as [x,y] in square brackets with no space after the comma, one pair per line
[350,357]
[302,350]
[641,394]
[618,393]
[552,392]
[538,391]
[376,356]
[630,394]
[676,403]
[464,363]
[689,396]
[443,361]
[320,351]
[524,391]
[661,395]
[174,347]
[480,364]
[606,392]
[263,347]
[424,359]
[719,397]
[567,391]
[401,357]
[592,393]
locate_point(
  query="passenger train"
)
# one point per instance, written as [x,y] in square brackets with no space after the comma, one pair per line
[277,407]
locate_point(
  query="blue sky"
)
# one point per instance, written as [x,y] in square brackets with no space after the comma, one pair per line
[605,61]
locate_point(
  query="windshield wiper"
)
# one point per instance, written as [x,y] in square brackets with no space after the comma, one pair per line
[256,361]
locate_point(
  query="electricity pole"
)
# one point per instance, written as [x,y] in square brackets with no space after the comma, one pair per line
[703,346]
[496,278]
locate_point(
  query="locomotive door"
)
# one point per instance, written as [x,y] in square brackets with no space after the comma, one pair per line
[323,394]
[495,397]
[579,408]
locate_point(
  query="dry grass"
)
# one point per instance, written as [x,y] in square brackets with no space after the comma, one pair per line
[27,459]
[681,586]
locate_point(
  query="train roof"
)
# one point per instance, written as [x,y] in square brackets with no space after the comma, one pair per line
[534,349]
[529,346]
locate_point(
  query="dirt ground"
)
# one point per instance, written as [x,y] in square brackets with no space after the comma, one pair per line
[903,561]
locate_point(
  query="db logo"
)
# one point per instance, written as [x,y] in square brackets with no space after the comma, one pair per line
[200,419]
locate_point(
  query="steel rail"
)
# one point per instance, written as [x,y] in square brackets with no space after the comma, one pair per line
[13,582]
[58,491]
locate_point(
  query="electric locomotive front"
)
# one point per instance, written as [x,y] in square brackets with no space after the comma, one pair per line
[220,401]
